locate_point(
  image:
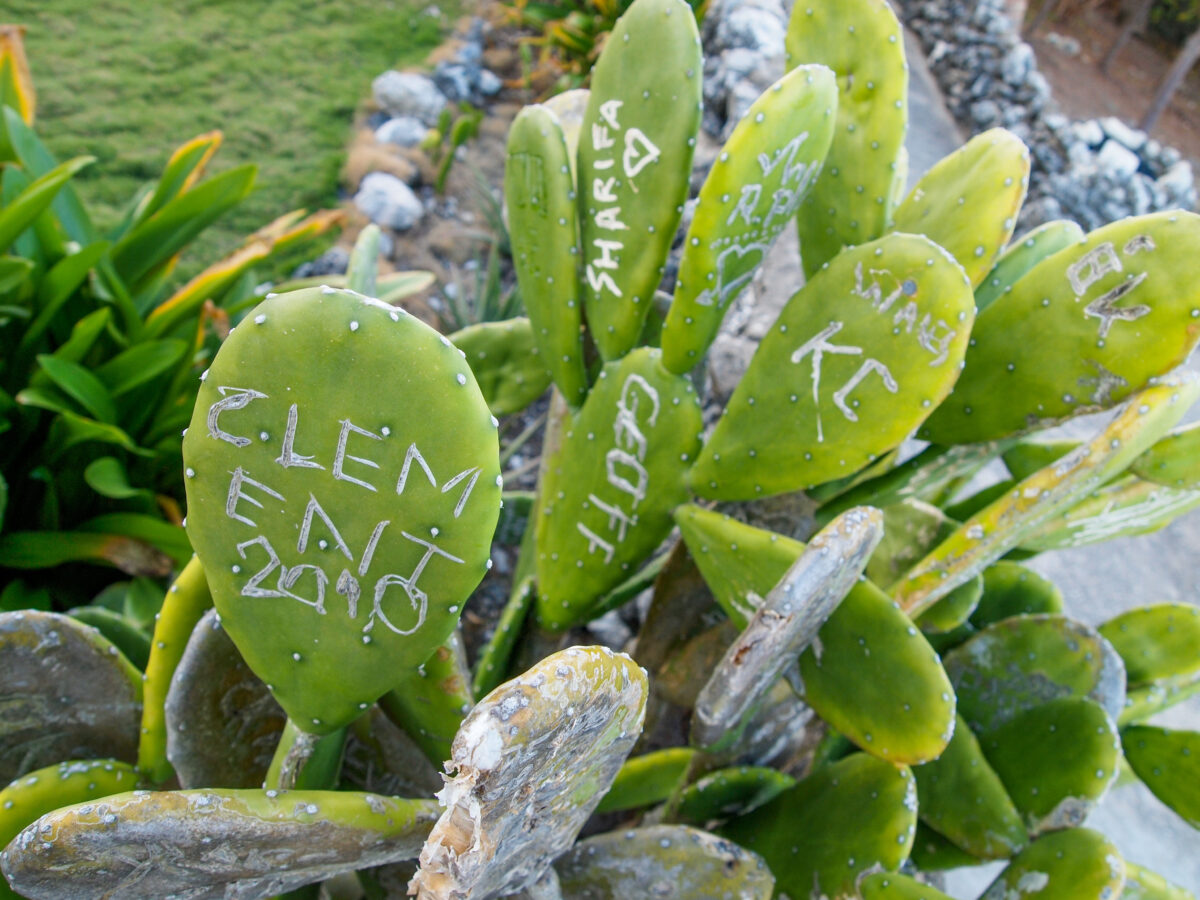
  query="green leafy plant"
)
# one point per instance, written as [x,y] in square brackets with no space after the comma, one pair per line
[805,717]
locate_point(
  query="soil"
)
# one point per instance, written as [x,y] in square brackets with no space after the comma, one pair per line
[1083,91]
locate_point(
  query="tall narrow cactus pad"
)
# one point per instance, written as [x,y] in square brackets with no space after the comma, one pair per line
[1142,884]
[892,886]
[752,191]
[430,700]
[341,528]
[1174,461]
[1029,455]
[544,231]
[672,862]
[647,779]
[968,202]
[862,42]
[1145,701]
[570,108]
[911,529]
[222,724]
[869,659]
[857,359]
[962,798]
[1022,255]
[1156,642]
[1169,763]
[1075,864]
[68,694]
[507,361]
[533,759]
[1020,663]
[1003,524]
[727,793]
[933,853]
[246,844]
[187,599]
[606,496]
[786,623]
[1115,310]
[851,817]
[1056,761]
[635,164]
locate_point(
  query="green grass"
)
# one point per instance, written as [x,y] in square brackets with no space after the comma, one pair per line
[129,80]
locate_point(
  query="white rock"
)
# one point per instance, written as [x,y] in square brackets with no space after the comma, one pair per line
[1090,132]
[1122,133]
[407,131]
[1116,158]
[388,201]
[1178,179]
[408,94]
[489,83]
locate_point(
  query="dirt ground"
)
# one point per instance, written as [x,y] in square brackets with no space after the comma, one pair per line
[1084,91]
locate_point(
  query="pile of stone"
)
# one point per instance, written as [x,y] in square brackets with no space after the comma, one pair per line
[1093,171]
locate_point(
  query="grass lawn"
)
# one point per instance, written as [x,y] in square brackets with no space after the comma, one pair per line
[129,80]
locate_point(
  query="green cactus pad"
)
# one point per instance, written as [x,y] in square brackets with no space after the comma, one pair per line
[851,201]
[843,820]
[953,609]
[341,529]
[963,799]
[1142,884]
[222,724]
[534,757]
[1143,702]
[752,191]
[429,701]
[911,529]
[1169,763]
[493,657]
[606,495]
[1029,455]
[892,886]
[37,793]
[872,660]
[968,202]
[1011,589]
[123,632]
[933,853]
[1116,310]
[247,844]
[1173,460]
[727,793]
[544,230]
[825,394]
[1124,508]
[1022,255]
[647,779]
[635,164]
[68,694]
[1056,761]
[788,621]
[187,599]
[672,862]
[1074,864]
[507,363]
[570,107]
[1022,662]
[1156,642]
[1001,526]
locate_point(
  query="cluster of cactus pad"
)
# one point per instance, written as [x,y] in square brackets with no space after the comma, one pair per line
[842,717]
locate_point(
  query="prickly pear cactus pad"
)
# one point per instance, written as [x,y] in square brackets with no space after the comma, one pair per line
[669,862]
[1022,662]
[1011,589]
[1155,642]
[1174,461]
[1056,761]
[1075,864]
[1115,310]
[68,694]
[1022,255]
[506,361]
[1142,884]
[341,527]
[429,701]
[606,496]
[635,164]
[752,191]
[647,779]
[857,359]
[222,724]
[962,798]
[726,793]
[1166,761]
[968,202]
[543,229]
[850,203]
[891,886]
[199,844]
[533,758]
[785,624]
[853,816]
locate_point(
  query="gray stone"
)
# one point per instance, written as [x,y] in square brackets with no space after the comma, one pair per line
[754,29]
[406,131]
[1017,64]
[1178,180]
[985,113]
[1122,133]
[456,80]
[1116,158]
[388,201]
[1089,132]
[409,94]
[489,83]
[333,261]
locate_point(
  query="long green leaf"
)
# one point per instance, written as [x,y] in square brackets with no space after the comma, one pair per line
[13,271]
[140,364]
[170,539]
[35,199]
[71,429]
[80,385]
[37,160]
